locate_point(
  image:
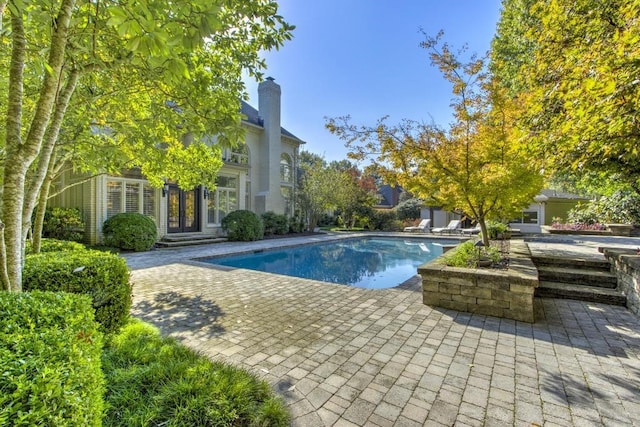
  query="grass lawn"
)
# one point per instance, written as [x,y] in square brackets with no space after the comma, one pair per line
[153,381]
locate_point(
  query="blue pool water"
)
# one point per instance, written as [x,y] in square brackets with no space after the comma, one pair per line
[373,263]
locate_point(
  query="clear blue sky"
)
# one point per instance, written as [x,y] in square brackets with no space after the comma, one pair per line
[362,58]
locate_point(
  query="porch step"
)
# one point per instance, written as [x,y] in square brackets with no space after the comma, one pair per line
[547,289]
[598,264]
[187,237]
[577,276]
[584,279]
[179,241]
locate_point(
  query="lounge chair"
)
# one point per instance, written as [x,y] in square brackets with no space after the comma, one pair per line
[474,230]
[423,227]
[452,227]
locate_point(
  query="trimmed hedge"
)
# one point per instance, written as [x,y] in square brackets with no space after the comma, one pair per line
[103,276]
[50,354]
[130,231]
[54,245]
[63,224]
[243,225]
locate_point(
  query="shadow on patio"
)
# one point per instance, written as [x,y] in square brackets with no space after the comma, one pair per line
[175,312]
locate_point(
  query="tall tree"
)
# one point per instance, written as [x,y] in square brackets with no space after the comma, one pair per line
[475,167]
[146,72]
[578,81]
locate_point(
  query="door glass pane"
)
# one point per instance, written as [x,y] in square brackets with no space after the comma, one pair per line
[190,209]
[174,207]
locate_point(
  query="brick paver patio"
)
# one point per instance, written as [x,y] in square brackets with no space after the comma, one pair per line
[353,357]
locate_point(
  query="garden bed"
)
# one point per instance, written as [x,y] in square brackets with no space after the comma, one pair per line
[506,292]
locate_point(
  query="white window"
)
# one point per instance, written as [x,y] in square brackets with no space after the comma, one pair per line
[286,182]
[286,174]
[130,196]
[223,200]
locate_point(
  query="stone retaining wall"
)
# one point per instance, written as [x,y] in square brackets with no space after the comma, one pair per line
[626,266]
[501,293]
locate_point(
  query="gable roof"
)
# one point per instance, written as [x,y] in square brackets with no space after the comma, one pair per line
[253,117]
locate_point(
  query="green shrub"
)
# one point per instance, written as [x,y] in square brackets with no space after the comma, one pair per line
[153,380]
[296,224]
[394,225]
[101,275]
[408,209]
[494,228]
[466,255]
[243,226]
[53,245]
[50,351]
[583,213]
[130,231]
[384,220]
[63,224]
[274,223]
[620,207]
[327,220]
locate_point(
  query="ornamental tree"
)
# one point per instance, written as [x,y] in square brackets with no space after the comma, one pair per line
[475,167]
[116,85]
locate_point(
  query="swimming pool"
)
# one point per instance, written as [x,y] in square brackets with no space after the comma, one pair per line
[370,262]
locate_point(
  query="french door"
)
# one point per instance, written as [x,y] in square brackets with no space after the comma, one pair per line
[183,214]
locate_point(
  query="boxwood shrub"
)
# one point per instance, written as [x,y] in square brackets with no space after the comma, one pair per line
[63,224]
[130,231]
[103,276]
[275,223]
[50,354]
[243,225]
[54,245]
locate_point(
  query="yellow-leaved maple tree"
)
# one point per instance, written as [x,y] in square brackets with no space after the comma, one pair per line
[476,166]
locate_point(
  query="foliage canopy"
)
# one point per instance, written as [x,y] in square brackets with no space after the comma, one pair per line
[575,67]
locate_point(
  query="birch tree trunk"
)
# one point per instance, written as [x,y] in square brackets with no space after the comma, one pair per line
[20,153]
[46,158]
[41,209]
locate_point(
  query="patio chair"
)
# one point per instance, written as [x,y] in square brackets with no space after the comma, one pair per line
[471,231]
[423,227]
[452,227]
